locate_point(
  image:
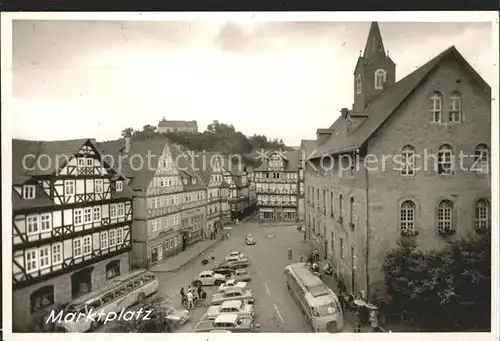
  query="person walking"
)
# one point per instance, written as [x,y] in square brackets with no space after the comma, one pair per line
[183,296]
[289,254]
[199,291]
[190,300]
[203,297]
[301,258]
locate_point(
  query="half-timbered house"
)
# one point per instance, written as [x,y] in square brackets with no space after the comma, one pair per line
[71,225]
[276,181]
[236,176]
[170,202]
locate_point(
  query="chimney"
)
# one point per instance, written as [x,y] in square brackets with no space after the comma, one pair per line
[93,141]
[344,112]
[126,148]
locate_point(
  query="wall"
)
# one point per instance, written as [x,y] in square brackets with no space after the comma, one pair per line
[411,125]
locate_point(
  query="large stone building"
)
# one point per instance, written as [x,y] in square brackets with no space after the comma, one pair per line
[407,179]
[277,186]
[71,228]
[170,203]
[166,126]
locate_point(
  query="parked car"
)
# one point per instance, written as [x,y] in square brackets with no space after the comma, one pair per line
[250,240]
[234,293]
[223,269]
[239,308]
[241,275]
[209,278]
[177,317]
[234,254]
[231,322]
[238,262]
[231,284]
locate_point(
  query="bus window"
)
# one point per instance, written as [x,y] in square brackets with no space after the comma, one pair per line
[130,287]
[95,304]
[108,297]
[120,292]
[148,278]
[315,311]
[137,284]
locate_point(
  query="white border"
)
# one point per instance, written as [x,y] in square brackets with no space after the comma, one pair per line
[6,63]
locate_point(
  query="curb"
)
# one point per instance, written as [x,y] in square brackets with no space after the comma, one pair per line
[188,261]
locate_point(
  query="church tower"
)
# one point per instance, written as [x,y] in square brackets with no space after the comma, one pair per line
[374,72]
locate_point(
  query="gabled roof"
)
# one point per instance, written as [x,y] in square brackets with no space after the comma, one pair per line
[178,124]
[386,103]
[291,160]
[185,166]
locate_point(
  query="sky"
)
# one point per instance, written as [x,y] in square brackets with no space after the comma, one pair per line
[76,79]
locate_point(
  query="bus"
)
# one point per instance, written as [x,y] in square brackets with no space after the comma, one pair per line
[118,293]
[318,303]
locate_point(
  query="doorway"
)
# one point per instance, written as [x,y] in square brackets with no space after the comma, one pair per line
[81,282]
[184,240]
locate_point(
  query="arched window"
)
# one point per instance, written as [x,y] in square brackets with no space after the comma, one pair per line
[317,197]
[359,84]
[407,218]
[42,298]
[455,113]
[380,77]
[445,160]
[332,204]
[436,107]
[408,160]
[340,206]
[481,158]
[113,269]
[352,212]
[482,215]
[445,216]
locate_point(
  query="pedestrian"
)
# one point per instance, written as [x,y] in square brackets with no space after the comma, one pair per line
[190,289]
[203,297]
[289,254]
[301,258]
[374,321]
[199,291]
[183,296]
[190,300]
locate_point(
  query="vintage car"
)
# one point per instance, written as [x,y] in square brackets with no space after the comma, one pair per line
[232,283]
[238,262]
[234,293]
[177,317]
[234,254]
[209,278]
[239,308]
[250,240]
[223,269]
[241,275]
[230,322]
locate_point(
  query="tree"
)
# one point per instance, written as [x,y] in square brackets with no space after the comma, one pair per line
[157,321]
[127,132]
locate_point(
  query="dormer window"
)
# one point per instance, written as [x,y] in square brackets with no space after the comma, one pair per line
[119,186]
[28,191]
[380,78]
[359,84]
[193,181]
[184,181]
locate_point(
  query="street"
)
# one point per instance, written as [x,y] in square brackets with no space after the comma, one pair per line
[276,310]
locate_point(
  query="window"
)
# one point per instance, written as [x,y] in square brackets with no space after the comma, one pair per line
[81,162]
[352,211]
[44,257]
[119,186]
[113,269]
[445,155]
[380,78]
[90,162]
[42,298]
[28,191]
[436,108]
[481,158]
[77,247]
[155,225]
[112,238]
[56,253]
[99,186]
[121,209]
[69,187]
[358,84]
[78,216]
[97,213]
[87,215]
[407,160]
[407,217]
[87,245]
[482,215]
[32,224]
[104,240]
[445,216]
[341,248]
[119,236]
[455,113]
[332,241]
[31,260]
[112,210]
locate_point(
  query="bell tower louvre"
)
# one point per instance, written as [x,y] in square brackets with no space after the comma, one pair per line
[374,72]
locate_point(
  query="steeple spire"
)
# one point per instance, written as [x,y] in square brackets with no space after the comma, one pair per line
[374,43]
